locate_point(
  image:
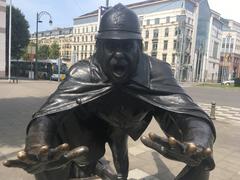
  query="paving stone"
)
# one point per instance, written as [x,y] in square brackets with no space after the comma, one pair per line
[137,174]
[135,151]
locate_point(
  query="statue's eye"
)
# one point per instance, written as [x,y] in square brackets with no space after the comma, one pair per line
[127,46]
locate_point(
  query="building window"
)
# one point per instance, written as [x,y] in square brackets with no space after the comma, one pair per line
[147,34]
[223,45]
[154,46]
[157,20]
[175,44]
[148,22]
[165,45]
[227,45]
[141,20]
[164,57]
[86,38]
[145,46]
[154,54]
[173,59]
[215,49]
[155,33]
[168,19]
[176,31]
[166,32]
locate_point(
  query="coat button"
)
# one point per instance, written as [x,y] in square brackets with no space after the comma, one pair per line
[79,101]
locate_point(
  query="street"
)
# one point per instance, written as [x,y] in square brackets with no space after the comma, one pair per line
[227,96]
[19,101]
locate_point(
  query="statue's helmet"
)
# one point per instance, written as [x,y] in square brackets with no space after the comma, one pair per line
[119,22]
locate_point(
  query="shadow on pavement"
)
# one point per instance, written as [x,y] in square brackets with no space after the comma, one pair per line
[161,166]
[15,114]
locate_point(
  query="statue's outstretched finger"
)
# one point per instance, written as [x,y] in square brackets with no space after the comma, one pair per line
[153,145]
[26,158]
[79,151]
[15,164]
[55,153]
[158,139]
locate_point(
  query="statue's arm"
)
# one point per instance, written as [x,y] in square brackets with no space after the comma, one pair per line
[43,151]
[189,140]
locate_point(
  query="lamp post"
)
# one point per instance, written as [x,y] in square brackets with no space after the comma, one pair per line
[39,15]
[10,41]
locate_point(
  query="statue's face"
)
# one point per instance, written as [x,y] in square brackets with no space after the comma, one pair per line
[118,59]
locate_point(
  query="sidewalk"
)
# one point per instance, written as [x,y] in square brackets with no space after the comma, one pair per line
[19,101]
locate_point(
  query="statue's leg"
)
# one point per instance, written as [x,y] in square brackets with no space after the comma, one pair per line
[196,173]
[77,132]
[62,173]
[119,147]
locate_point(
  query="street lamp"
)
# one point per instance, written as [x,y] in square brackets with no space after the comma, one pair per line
[10,41]
[39,15]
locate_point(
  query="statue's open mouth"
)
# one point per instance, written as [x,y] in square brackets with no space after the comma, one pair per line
[119,67]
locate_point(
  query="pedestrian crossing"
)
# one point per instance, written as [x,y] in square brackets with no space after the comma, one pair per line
[225,114]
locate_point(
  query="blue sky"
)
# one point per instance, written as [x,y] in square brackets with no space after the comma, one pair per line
[63,11]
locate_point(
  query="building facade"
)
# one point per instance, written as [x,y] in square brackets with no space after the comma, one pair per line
[62,36]
[230,53]
[84,30]
[211,55]
[168,30]
[2,37]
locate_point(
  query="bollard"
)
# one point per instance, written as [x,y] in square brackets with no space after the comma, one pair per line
[14,80]
[213,110]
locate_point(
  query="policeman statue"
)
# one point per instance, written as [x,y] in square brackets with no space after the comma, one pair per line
[114,94]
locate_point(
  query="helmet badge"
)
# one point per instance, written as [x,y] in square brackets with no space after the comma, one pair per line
[117,15]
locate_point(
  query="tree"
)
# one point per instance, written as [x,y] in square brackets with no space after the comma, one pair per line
[54,51]
[20,33]
[43,52]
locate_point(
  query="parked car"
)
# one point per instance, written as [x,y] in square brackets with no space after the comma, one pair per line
[228,82]
[54,77]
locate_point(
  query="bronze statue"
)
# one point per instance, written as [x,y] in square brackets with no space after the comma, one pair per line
[112,95]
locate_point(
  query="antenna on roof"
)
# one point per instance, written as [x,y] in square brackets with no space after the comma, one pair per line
[107,3]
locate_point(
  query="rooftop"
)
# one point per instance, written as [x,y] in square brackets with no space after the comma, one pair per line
[133,5]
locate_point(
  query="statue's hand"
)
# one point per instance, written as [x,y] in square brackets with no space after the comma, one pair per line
[46,158]
[187,152]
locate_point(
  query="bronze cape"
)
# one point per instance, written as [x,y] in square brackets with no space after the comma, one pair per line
[152,83]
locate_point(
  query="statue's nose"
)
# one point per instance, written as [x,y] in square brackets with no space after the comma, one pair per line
[119,55]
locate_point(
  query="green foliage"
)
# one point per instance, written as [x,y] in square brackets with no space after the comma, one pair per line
[20,32]
[43,52]
[54,51]
[25,54]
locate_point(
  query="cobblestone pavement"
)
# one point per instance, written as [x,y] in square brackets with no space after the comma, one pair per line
[19,101]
